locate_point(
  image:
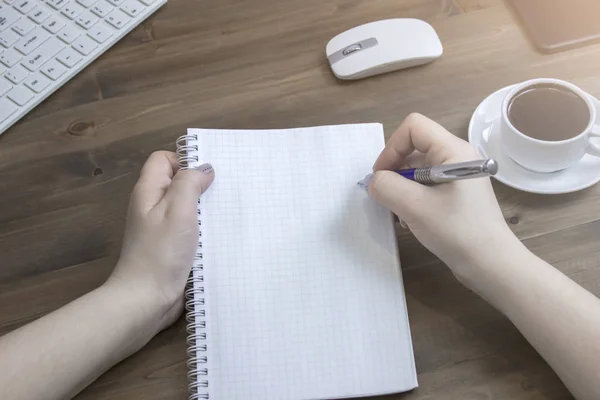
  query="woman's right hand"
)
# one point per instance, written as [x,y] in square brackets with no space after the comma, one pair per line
[458,221]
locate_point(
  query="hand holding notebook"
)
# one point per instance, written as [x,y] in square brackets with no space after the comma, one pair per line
[161,233]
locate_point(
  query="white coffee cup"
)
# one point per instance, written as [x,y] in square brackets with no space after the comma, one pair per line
[548,156]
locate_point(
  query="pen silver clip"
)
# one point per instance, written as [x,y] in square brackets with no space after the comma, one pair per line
[464,170]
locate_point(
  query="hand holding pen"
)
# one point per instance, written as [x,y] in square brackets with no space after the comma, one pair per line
[455,221]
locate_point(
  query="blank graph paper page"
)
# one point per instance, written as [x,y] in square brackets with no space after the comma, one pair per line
[304,295]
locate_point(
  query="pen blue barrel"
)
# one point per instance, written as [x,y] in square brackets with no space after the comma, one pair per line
[407,173]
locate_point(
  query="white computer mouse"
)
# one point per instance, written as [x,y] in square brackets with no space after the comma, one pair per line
[383,46]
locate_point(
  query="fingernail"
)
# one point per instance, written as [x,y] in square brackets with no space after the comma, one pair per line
[206,168]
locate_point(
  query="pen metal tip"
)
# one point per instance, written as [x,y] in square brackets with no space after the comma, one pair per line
[364,184]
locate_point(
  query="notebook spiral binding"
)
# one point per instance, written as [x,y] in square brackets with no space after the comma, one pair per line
[195,299]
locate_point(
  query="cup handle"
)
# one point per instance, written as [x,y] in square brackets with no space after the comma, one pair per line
[594,148]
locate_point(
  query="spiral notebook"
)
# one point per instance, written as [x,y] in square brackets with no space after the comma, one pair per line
[296,292]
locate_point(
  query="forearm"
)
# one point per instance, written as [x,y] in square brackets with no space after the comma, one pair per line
[556,315]
[58,355]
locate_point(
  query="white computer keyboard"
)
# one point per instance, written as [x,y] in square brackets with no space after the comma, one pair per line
[44,43]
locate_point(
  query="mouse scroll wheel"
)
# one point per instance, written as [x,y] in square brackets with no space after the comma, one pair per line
[352,49]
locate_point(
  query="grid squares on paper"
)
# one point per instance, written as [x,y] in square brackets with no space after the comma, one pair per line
[303,286]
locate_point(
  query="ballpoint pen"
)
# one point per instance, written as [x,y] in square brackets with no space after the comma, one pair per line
[444,173]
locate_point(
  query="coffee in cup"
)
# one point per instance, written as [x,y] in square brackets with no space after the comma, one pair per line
[547,125]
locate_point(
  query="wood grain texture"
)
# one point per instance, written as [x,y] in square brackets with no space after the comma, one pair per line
[67,169]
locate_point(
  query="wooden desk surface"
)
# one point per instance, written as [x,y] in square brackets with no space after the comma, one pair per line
[67,169]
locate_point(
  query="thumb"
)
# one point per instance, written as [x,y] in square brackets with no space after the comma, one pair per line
[398,194]
[187,185]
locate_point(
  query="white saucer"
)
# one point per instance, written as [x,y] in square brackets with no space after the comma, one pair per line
[484,135]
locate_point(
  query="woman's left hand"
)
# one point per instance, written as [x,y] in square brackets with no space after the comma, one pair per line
[161,234]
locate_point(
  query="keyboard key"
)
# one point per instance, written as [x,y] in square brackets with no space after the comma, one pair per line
[86,3]
[72,10]
[69,33]
[10,2]
[116,3]
[10,57]
[36,82]
[24,6]
[7,108]
[2,69]
[53,69]
[42,54]
[8,16]
[32,41]
[147,2]
[132,8]
[117,18]
[16,74]
[69,57]
[84,45]
[86,20]
[20,95]
[102,8]
[23,26]
[100,33]
[40,14]
[5,86]
[54,24]
[57,4]
[8,38]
